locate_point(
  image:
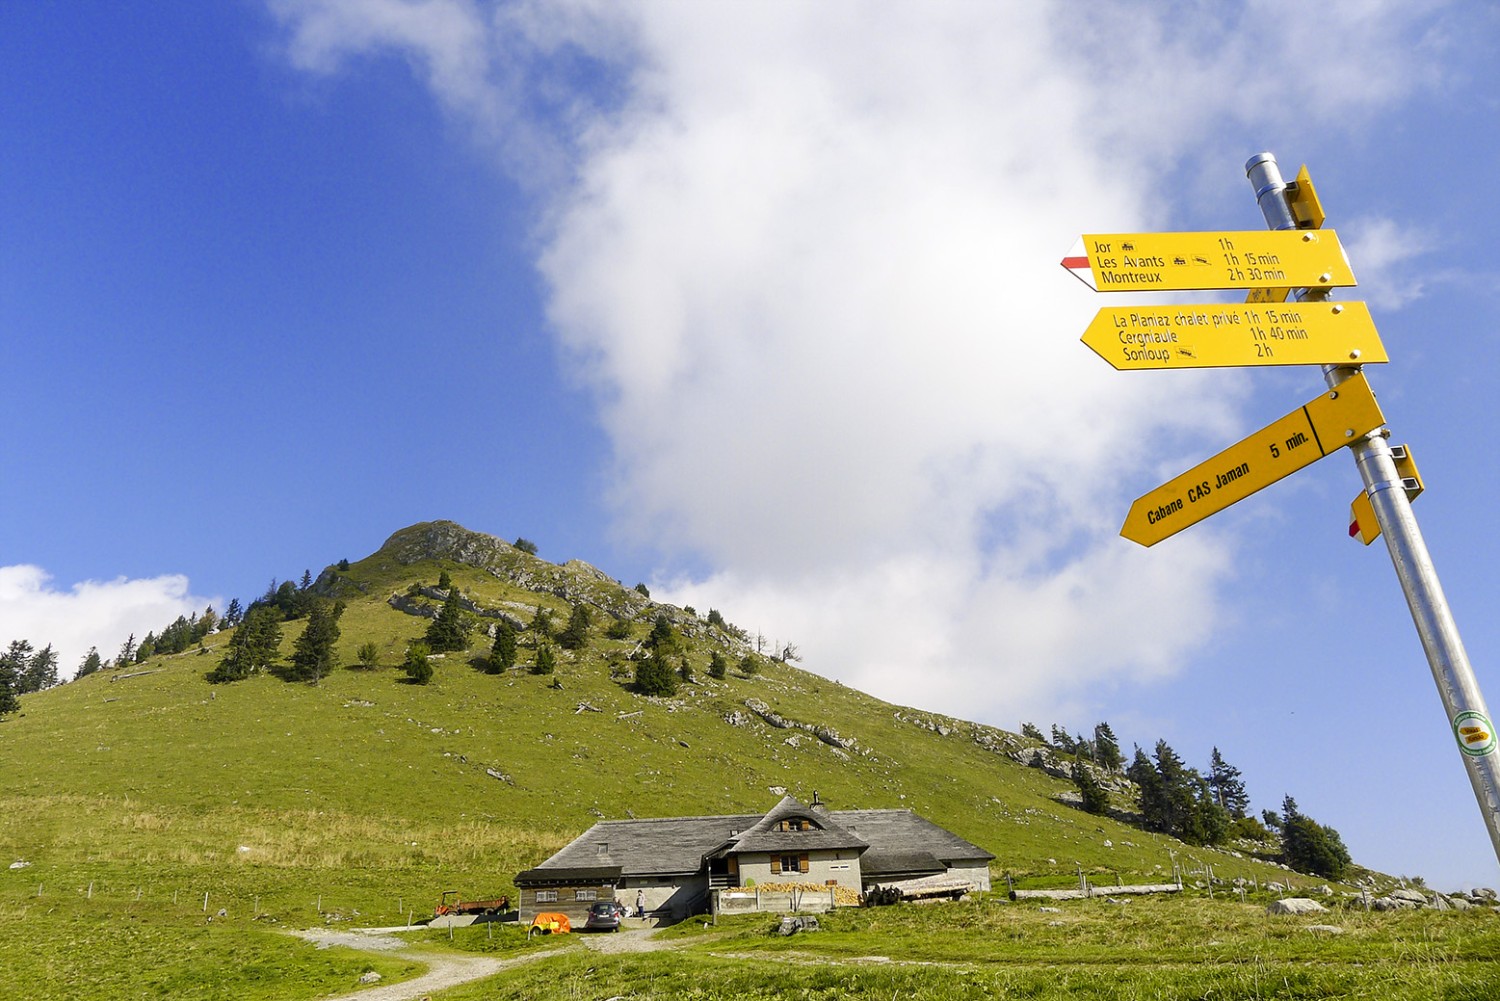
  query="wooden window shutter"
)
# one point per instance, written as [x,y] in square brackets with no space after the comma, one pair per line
[802,863]
[776,863]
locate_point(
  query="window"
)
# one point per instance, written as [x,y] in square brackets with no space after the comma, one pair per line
[585,894]
[546,896]
[788,863]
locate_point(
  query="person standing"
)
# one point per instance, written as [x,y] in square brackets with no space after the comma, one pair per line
[640,903]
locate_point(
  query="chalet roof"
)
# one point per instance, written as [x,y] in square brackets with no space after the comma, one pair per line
[878,863]
[903,832]
[826,832]
[659,847]
[566,874]
[892,842]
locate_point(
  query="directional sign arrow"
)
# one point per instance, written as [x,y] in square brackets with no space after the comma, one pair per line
[1167,262]
[1299,439]
[1216,336]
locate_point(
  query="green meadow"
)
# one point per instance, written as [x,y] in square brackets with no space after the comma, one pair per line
[160,835]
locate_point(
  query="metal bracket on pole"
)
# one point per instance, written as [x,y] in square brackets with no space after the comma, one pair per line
[1471,724]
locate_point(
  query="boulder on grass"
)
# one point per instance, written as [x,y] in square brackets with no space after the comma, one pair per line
[1295,905]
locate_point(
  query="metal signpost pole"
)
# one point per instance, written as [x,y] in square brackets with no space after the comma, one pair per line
[1462,700]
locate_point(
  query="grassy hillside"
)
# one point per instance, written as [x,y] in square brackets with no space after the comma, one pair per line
[129,796]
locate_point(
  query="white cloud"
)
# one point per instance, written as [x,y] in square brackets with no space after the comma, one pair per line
[91,613]
[1385,252]
[806,253]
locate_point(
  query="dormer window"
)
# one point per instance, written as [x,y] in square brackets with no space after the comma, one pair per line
[795,824]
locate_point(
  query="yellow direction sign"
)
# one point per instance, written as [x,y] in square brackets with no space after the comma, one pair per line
[1307,209]
[1167,262]
[1298,333]
[1299,439]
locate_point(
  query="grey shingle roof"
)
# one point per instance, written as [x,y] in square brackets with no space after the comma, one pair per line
[901,831]
[896,842]
[827,833]
[661,847]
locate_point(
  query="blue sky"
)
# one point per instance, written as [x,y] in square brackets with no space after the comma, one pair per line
[760,304]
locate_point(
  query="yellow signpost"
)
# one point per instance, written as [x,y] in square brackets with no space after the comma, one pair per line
[1307,209]
[1326,424]
[1217,336]
[1165,262]
[1294,253]
[1363,525]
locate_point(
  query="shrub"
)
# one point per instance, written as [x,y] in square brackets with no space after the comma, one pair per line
[653,676]
[546,660]
[1095,799]
[417,667]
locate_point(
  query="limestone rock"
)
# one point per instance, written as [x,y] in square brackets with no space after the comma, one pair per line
[1295,905]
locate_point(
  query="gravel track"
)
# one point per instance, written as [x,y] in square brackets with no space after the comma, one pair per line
[446,970]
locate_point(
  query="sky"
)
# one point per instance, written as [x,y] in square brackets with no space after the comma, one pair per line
[760,303]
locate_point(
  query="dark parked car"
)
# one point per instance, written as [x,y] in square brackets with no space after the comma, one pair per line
[605,916]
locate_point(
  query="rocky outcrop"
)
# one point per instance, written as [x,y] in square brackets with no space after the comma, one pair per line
[414,604]
[1295,905]
[822,731]
[576,582]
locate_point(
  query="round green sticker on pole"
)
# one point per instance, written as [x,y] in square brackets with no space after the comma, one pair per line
[1475,733]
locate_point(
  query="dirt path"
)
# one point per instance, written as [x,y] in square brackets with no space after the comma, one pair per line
[444,969]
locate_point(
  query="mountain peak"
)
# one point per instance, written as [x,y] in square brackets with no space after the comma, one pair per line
[448,540]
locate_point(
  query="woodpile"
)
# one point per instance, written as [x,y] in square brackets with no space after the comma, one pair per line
[842,895]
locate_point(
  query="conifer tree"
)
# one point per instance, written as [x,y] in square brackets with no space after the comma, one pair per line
[313,656]
[1308,846]
[233,614]
[127,652]
[1228,788]
[718,665]
[1034,732]
[1107,748]
[41,673]
[541,624]
[685,671]
[1095,799]
[368,654]
[503,653]
[91,663]
[546,660]
[450,630]
[417,667]
[1061,739]
[654,676]
[253,648]
[575,635]
[12,663]
[663,637]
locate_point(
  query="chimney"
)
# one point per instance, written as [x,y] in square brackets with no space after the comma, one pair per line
[818,804]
